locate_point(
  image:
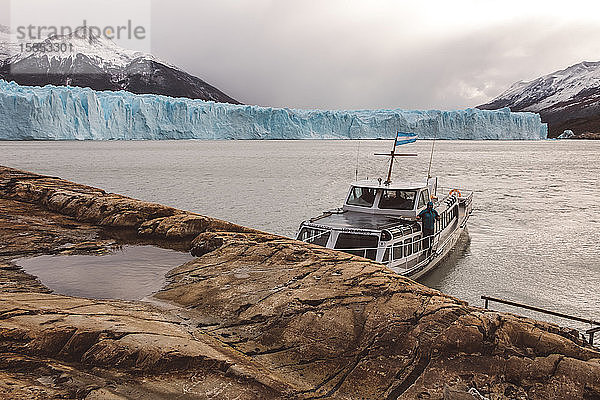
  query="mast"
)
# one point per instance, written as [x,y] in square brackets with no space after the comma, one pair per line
[392,155]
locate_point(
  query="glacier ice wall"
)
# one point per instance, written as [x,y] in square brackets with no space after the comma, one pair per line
[67,113]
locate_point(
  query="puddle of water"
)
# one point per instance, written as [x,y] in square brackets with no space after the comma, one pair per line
[132,273]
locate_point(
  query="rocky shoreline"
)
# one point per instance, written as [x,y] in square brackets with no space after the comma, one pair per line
[587,136]
[254,316]
[568,134]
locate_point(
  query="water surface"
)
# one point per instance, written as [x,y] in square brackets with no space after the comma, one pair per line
[130,273]
[533,237]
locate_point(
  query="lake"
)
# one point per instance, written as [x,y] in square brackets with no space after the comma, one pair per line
[533,236]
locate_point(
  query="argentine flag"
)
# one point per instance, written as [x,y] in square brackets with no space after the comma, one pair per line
[405,138]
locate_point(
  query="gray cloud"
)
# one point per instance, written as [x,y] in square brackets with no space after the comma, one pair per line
[368,54]
[306,55]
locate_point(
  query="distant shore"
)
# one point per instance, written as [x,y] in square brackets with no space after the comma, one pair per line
[586,136]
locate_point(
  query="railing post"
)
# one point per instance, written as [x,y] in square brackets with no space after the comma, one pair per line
[590,332]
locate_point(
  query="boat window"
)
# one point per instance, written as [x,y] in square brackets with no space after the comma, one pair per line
[362,197]
[386,255]
[360,245]
[315,236]
[398,199]
[417,244]
[407,247]
[422,200]
[398,251]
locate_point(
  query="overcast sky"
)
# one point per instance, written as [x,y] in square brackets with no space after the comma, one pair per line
[338,54]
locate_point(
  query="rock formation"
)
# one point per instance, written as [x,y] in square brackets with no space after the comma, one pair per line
[253,316]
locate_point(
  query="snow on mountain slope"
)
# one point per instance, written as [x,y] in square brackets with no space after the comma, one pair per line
[104,53]
[95,62]
[566,99]
[67,113]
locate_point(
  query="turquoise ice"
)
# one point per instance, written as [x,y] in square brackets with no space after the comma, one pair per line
[73,113]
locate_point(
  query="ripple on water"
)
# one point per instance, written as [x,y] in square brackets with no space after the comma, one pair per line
[536,203]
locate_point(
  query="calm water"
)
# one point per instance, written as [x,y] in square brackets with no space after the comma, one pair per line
[534,235]
[131,273]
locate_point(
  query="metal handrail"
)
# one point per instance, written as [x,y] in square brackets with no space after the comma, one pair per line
[448,188]
[398,244]
[434,245]
[589,332]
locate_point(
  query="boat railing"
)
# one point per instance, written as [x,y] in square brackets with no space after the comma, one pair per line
[362,251]
[434,245]
[447,190]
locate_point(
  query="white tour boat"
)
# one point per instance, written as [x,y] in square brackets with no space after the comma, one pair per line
[378,221]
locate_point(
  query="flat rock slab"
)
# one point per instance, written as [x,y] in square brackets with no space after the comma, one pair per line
[253,316]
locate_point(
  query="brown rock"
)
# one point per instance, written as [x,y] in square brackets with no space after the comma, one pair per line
[255,316]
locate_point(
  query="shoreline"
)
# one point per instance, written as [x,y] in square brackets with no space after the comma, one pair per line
[255,314]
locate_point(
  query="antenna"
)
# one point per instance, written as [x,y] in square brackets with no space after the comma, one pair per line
[357,154]
[429,169]
[430,160]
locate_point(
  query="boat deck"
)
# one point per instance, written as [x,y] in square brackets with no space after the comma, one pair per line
[358,220]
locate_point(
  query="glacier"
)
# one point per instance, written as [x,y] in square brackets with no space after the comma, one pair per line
[74,113]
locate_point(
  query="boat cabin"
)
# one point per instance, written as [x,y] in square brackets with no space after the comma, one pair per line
[403,199]
[378,222]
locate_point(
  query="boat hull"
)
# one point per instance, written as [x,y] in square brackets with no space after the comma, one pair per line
[442,251]
[435,261]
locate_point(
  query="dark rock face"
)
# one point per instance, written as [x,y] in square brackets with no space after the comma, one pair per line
[89,60]
[141,76]
[566,100]
[586,136]
[255,316]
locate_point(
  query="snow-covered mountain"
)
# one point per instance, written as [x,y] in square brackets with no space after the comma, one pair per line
[566,99]
[100,64]
[67,113]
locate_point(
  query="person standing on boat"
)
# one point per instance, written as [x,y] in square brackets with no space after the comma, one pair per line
[428,217]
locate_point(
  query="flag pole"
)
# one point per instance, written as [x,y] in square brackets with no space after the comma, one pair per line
[392,154]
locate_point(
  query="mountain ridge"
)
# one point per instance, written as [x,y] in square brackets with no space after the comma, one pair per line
[567,99]
[99,64]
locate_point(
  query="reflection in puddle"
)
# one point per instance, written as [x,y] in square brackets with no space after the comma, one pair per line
[130,274]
